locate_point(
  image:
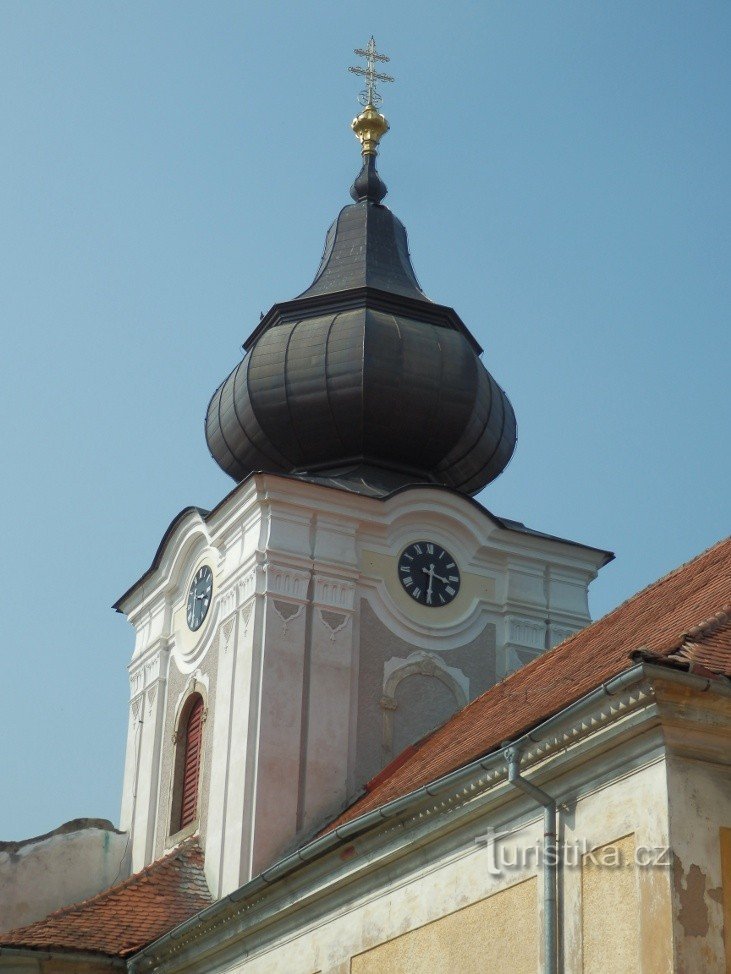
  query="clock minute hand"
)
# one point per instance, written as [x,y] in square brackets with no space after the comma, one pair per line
[430,572]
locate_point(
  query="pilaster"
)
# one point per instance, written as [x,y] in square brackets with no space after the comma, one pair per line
[148,679]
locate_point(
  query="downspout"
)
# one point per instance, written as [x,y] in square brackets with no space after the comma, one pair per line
[550,857]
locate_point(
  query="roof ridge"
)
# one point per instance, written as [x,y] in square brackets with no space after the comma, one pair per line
[719,620]
[186,845]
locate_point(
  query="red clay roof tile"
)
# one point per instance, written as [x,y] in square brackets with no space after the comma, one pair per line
[127,917]
[663,620]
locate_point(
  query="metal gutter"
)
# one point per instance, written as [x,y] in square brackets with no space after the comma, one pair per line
[720,685]
[551,854]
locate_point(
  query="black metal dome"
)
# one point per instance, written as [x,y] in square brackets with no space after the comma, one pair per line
[362,379]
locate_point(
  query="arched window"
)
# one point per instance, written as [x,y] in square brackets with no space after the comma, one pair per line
[419,695]
[187,763]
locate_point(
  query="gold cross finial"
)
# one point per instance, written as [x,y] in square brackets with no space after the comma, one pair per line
[369,96]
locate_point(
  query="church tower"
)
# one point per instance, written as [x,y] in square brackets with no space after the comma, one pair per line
[349,594]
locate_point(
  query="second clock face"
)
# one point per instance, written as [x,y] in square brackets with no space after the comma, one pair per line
[428,573]
[199,597]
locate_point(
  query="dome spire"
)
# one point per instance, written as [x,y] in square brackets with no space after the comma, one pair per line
[370,126]
[361,381]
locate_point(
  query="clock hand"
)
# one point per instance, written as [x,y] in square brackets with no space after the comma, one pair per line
[430,571]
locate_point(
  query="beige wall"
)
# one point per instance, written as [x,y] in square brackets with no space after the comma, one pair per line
[700,813]
[725,841]
[75,861]
[497,934]
[610,923]
[450,912]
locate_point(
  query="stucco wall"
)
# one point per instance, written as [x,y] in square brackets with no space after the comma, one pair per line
[466,941]
[77,860]
[725,843]
[422,703]
[444,907]
[378,644]
[610,912]
[700,806]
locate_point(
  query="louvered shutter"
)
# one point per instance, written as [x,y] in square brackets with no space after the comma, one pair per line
[192,763]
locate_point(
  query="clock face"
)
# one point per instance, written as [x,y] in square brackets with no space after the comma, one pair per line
[199,597]
[428,573]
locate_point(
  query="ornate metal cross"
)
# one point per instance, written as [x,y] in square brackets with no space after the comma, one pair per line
[370,96]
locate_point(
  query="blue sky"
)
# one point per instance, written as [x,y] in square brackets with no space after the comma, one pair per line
[169,171]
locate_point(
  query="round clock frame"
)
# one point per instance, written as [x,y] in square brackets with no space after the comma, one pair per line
[429,574]
[199,599]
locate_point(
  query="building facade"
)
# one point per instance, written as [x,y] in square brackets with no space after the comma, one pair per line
[371,727]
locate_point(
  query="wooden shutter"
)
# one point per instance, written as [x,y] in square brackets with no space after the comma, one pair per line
[191,764]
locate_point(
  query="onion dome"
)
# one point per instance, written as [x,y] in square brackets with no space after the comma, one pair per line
[361,380]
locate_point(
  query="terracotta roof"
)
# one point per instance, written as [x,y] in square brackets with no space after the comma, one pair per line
[683,619]
[127,917]
[705,648]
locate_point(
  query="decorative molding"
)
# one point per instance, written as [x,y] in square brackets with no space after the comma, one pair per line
[226,633]
[397,669]
[334,622]
[246,616]
[290,582]
[426,636]
[246,587]
[557,634]
[335,592]
[149,669]
[287,612]
[135,706]
[136,682]
[151,694]
[526,632]
[197,682]
[227,602]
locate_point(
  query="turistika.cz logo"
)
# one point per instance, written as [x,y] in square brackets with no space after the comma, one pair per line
[504,857]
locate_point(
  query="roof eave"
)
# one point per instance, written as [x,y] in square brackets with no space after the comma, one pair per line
[331,840]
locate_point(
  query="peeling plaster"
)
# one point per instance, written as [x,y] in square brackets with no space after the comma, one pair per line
[691,891]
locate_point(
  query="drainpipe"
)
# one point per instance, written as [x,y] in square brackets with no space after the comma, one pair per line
[550,857]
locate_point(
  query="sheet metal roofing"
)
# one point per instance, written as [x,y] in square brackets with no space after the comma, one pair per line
[124,919]
[684,620]
[362,368]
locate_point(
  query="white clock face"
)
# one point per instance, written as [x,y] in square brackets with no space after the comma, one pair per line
[199,597]
[429,573]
